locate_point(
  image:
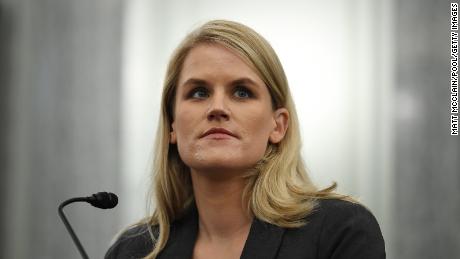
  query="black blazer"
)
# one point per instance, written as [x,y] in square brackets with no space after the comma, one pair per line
[335,229]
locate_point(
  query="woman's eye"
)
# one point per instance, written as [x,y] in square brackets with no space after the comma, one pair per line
[242,92]
[199,93]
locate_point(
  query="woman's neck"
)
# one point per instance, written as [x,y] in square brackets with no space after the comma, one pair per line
[222,213]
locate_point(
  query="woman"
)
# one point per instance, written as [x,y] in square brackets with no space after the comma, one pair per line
[229,180]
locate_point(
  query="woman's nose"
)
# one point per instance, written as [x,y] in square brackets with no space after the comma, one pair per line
[218,109]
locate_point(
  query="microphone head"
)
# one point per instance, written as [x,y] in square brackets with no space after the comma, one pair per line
[103,200]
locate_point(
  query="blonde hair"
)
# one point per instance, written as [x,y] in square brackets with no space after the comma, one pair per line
[278,189]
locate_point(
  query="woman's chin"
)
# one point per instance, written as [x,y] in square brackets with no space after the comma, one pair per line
[219,159]
[215,163]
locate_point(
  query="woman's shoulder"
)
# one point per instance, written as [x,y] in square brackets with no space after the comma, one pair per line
[337,213]
[135,242]
[341,209]
[346,228]
[342,214]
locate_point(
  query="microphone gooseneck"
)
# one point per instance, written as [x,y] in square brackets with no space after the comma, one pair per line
[102,200]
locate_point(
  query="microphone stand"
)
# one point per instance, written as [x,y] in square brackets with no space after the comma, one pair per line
[69,228]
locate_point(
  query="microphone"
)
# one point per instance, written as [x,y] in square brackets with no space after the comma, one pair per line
[101,200]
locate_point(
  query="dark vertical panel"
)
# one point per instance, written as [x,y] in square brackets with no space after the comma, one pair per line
[5,42]
[427,207]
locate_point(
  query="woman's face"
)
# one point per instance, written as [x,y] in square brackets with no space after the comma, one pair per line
[223,116]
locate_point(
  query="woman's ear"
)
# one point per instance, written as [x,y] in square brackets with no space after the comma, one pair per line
[172,135]
[281,119]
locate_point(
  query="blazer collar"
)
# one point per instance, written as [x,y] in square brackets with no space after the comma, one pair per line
[182,236]
[263,241]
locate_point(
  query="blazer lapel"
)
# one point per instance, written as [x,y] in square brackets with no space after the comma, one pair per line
[182,237]
[263,241]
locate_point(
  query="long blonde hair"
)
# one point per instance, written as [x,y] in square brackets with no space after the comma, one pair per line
[278,189]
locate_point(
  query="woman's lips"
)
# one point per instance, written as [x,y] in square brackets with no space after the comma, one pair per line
[218,133]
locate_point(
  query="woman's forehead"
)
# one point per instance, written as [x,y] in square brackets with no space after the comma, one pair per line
[208,61]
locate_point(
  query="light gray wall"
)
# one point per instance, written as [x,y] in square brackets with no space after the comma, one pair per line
[427,187]
[63,82]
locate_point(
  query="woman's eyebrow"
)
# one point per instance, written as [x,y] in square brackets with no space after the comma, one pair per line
[243,80]
[195,81]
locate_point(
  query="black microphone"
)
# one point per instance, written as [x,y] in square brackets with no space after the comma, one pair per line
[102,200]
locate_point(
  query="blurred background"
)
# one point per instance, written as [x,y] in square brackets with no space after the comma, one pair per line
[80,85]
